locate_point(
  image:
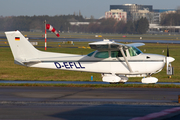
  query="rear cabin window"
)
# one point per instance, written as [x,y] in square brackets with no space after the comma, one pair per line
[102,54]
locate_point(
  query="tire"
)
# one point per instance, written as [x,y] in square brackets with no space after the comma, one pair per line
[113,82]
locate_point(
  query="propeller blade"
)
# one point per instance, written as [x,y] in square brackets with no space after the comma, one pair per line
[167,51]
[169,68]
[167,60]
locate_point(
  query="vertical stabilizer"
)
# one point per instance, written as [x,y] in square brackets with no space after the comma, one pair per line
[21,48]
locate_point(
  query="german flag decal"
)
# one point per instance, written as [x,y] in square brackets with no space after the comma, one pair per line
[17,38]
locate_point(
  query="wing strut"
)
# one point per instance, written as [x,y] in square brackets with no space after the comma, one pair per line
[129,67]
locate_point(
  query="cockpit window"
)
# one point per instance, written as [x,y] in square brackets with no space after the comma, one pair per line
[102,54]
[133,51]
[117,54]
[90,54]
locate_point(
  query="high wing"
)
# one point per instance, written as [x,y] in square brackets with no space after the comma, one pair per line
[111,45]
[106,44]
[135,44]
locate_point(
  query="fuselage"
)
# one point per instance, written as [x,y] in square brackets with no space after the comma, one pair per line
[140,64]
[115,61]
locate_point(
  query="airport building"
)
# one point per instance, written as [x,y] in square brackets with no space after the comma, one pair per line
[143,13]
[131,8]
[135,12]
[117,14]
[159,13]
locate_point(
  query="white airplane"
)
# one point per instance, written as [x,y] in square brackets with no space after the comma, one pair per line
[115,61]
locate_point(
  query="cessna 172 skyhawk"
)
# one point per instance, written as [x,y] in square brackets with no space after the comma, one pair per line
[115,61]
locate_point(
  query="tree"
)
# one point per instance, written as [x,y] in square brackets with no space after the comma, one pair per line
[25,23]
[119,28]
[129,27]
[80,13]
[171,19]
[142,26]
[108,25]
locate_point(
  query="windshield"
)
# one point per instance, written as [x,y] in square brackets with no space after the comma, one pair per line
[133,51]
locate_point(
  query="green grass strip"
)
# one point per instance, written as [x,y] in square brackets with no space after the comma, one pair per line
[94,85]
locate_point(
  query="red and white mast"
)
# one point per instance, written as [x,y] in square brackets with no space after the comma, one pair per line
[45,35]
[50,28]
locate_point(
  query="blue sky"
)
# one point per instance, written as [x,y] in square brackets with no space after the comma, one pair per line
[97,8]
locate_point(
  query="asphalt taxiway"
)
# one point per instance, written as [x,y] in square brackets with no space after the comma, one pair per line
[75,82]
[71,103]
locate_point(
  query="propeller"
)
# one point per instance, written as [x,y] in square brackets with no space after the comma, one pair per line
[169,68]
[167,51]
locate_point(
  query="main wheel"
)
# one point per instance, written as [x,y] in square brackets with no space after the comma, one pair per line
[121,82]
[113,83]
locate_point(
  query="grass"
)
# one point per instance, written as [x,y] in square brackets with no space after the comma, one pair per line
[94,85]
[11,71]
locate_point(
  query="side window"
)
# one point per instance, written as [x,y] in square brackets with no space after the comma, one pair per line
[117,54]
[103,54]
[90,54]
